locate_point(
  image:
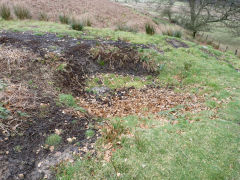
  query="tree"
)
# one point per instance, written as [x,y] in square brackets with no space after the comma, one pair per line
[201,13]
[168,10]
[197,15]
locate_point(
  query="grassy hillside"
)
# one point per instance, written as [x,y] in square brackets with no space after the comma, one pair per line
[102,13]
[192,134]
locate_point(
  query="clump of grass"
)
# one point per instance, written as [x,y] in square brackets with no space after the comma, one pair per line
[3,112]
[5,12]
[78,26]
[67,100]
[90,133]
[62,67]
[113,131]
[122,27]
[53,140]
[64,19]
[43,17]
[172,31]
[22,12]
[87,22]
[149,29]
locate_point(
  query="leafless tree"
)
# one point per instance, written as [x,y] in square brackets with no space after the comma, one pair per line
[201,13]
[197,15]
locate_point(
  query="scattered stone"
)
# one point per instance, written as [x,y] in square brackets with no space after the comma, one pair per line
[58,131]
[100,90]
[51,148]
[21,176]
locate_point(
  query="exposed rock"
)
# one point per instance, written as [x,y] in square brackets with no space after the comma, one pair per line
[100,90]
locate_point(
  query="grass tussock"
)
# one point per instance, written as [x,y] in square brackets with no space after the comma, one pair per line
[149,29]
[53,140]
[87,22]
[77,25]
[5,12]
[173,31]
[123,27]
[43,16]
[64,19]
[22,12]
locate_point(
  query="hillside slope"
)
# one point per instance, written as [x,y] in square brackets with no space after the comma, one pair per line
[102,13]
[104,104]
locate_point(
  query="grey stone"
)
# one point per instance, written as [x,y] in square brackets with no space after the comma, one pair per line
[100,90]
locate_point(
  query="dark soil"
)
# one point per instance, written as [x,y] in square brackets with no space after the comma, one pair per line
[176,43]
[24,148]
[72,49]
[32,139]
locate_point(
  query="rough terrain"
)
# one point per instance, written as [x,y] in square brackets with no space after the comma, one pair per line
[33,79]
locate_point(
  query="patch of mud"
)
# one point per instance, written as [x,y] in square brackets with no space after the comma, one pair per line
[71,49]
[20,151]
[31,114]
[176,43]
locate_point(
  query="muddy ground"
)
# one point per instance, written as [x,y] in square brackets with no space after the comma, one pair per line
[35,69]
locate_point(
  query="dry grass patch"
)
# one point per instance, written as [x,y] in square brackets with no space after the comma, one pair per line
[102,13]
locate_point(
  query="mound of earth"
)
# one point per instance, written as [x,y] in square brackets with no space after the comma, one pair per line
[102,13]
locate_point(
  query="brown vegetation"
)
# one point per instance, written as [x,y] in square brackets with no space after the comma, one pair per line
[101,13]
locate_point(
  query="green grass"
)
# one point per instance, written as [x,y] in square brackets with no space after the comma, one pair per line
[67,100]
[221,34]
[90,133]
[78,26]
[5,12]
[64,19]
[3,112]
[205,149]
[53,140]
[39,26]
[22,12]
[114,81]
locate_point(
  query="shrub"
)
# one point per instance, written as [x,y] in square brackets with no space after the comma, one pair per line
[64,19]
[126,28]
[43,17]
[149,29]
[22,12]
[53,140]
[5,12]
[78,26]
